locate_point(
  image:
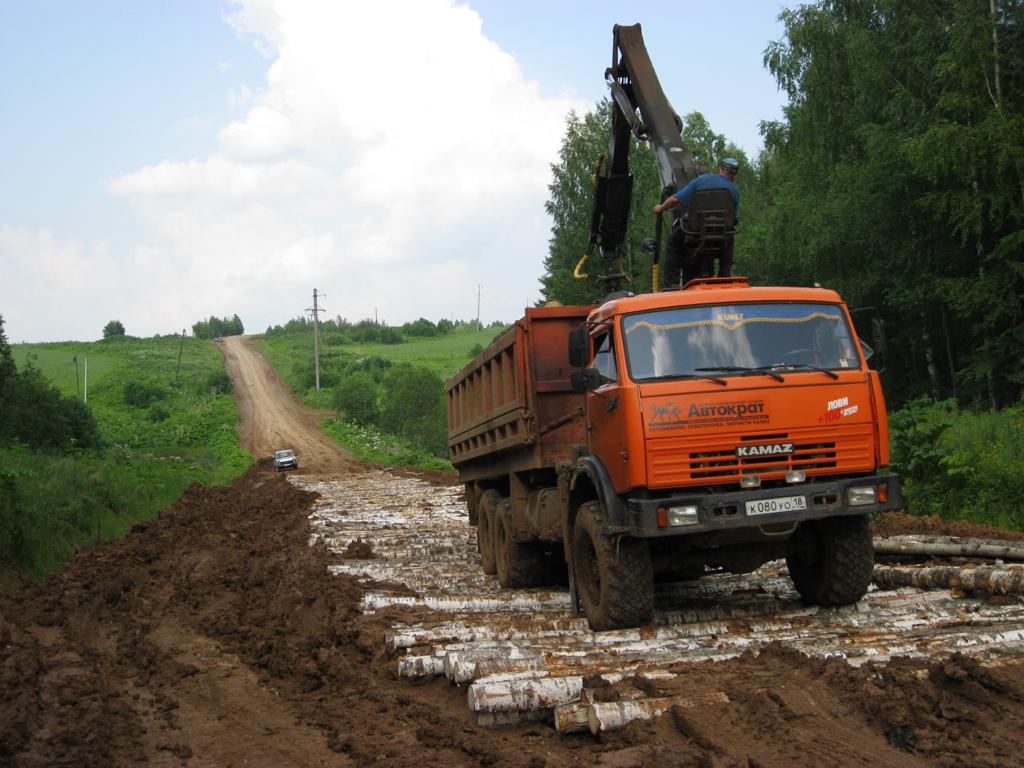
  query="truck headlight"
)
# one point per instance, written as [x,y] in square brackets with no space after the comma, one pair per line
[860,495]
[685,515]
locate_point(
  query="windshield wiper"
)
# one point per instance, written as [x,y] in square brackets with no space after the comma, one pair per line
[765,369]
[790,366]
[674,376]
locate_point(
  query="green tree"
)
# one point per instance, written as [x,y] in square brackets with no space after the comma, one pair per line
[571,200]
[421,327]
[895,177]
[36,414]
[571,203]
[413,405]
[112,329]
[218,326]
[356,396]
[8,386]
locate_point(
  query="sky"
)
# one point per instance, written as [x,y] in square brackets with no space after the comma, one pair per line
[162,162]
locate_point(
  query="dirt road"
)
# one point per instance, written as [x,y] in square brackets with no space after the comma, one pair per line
[272,418]
[216,635]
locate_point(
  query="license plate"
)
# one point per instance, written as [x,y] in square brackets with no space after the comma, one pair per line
[776,505]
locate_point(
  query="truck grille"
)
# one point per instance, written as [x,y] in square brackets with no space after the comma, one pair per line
[712,459]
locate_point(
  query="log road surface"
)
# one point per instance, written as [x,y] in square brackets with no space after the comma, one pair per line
[321,619]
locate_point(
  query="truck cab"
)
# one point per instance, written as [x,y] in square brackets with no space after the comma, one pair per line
[728,425]
[725,386]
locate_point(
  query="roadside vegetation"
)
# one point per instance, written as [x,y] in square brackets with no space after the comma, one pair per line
[961,463]
[894,177]
[77,472]
[385,383]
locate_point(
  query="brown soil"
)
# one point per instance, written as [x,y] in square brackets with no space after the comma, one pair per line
[900,523]
[214,635]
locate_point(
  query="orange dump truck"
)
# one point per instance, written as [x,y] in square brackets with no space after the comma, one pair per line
[673,434]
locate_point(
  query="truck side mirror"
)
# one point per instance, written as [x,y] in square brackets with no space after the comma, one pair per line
[868,323]
[878,334]
[585,380]
[579,347]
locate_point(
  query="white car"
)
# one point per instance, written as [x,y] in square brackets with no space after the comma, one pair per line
[285,460]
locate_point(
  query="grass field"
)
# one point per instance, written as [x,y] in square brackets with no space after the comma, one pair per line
[57,361]
[445,355]
[182,432]
[291,354]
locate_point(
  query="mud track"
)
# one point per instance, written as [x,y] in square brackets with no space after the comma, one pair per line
[217,635]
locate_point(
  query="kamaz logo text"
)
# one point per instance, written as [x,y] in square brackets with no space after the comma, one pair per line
[769,449]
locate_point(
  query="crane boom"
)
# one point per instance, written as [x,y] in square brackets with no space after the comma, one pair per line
[641,110]
[635,88]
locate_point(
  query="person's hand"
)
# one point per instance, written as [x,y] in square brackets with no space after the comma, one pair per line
[658,208]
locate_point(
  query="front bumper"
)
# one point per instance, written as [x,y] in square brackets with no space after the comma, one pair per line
[723,512]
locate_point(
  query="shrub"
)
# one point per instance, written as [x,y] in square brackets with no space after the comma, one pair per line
[142,395]
[356,397]
[421,327]
[375,366]
[159,412]
[391,336]
[960,464]
[34,412]
[413,405]
[219,381]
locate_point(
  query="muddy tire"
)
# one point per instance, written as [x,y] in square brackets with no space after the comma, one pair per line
[472,504]
[519,564]
[485,529]
[837,570]
[614,579]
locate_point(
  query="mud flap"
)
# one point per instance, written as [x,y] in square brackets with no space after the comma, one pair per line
[574,597]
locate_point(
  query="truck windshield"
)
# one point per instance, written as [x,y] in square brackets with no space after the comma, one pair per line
[737,338]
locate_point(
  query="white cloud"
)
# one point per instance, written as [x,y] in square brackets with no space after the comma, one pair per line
[220,178]
[54,289]
[395,158]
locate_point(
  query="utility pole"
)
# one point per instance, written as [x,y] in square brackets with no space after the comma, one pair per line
[180,348]
[316,310]
[86,390]
[478,288]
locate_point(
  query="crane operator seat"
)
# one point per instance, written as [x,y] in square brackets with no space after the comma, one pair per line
[709,229]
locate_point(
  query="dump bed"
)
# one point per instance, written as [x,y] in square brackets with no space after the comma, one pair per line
[513,405]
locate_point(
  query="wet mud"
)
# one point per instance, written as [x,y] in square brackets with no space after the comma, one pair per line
[216,635]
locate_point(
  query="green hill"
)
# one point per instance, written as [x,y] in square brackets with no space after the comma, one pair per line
[396,385]
[163,425]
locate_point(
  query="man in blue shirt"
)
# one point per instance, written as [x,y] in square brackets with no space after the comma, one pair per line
[678,268]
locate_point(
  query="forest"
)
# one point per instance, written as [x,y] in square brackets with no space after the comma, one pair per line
[896,177]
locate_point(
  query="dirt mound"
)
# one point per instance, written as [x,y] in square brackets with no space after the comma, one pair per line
[215,635]
[900,523]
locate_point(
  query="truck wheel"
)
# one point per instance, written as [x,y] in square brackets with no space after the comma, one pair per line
[519,564]
[614,578]
[837,569]
[485,529]
[472,504]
